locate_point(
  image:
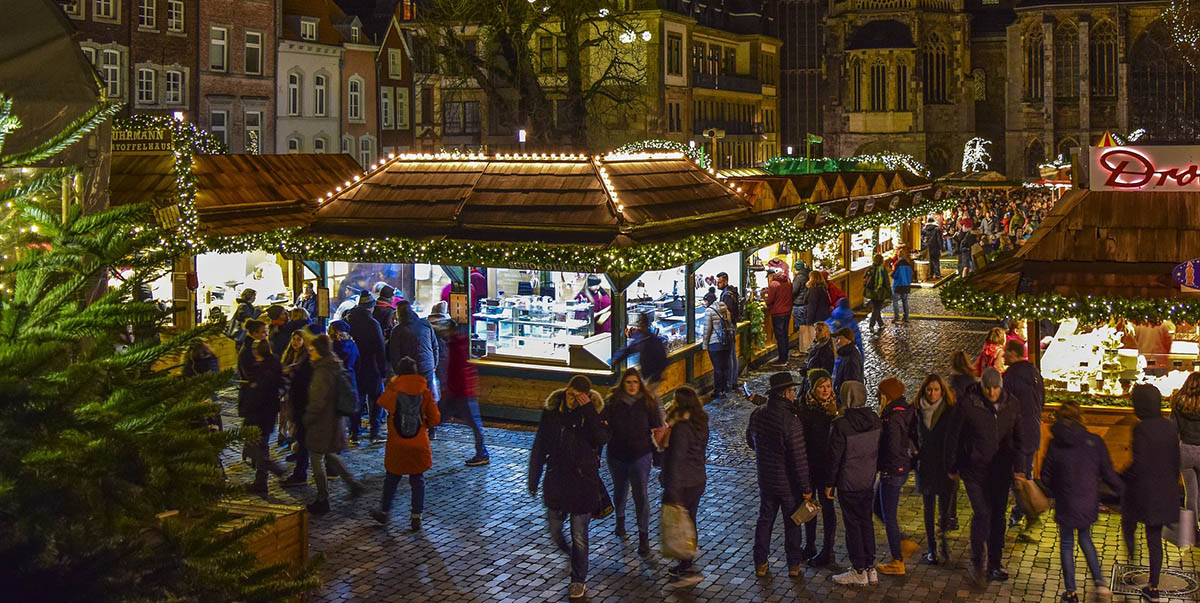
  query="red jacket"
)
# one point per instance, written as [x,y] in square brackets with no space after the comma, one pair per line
[779,295]
[461,376]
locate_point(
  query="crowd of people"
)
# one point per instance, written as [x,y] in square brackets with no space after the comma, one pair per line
[984,222]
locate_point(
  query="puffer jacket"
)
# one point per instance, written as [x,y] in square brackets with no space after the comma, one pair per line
[567,449]
[899,439]
[988,442]
[683,460]
[781,455]
[854,449]
[1024,382]
[847,367]
[1152,480]
[779,295]
[413,337]
[1076,460]
[902,276]
[820,355]
[372,360]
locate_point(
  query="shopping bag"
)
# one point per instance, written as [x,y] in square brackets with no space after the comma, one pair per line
[807,510]
[1031,498]
[678,532]
[606,504]
[1182,534]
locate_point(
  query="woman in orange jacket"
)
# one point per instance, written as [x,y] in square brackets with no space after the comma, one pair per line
[411,412]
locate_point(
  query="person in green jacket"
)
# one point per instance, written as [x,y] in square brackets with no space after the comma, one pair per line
[876,286]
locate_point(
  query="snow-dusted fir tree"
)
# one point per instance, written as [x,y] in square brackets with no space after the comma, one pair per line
[976,155]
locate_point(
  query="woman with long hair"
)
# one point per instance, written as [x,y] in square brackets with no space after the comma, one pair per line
[683,477]
[992,354]
[816,410]
[935,406]
[1185,411]
[633,414]
[817,307]
[820,353]
[297,373]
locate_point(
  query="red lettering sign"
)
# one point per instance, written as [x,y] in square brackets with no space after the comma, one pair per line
[1145,168]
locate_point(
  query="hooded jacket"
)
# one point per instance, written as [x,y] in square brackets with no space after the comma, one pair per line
[899,439]
[816,307]
[847,367]
[367,334]
[843,316]
[781,456]
[854,449]
[1152,479]
[1024,382]
[779,295]
[629,421]
[325,431]
[567,449]
[413,337]
[683,459]
[347,352]
[1075,462]
[931,240]
[988,441]
[409,456]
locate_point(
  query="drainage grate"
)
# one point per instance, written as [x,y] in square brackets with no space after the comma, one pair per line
[1172,584]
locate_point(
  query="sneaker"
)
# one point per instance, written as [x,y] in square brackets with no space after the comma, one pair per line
[1070,597]
[760,570]
[689,578]
[997,574]
[852,577]
[1150,594]
[778,364]
[872,576]
[379,515]
[576,591]
[479,460]
[414,522]
[895,567]
[318,507]
[294,480]
[930,558]
[908,548]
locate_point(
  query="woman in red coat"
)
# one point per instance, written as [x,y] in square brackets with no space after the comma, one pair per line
[411,412]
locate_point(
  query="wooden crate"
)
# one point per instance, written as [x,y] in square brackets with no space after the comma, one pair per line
[284,541]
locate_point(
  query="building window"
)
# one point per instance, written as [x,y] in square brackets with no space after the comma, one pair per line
[698,63]
[254,54]
[879,89]
[354,92]
[730,61]
[937,71]
[395,63]
[218,48]
[174,95]
[253,132]
[73,8]
[112,72]
[293,145]
[366,151]
[385,107]
[308,31]
[146,13]
[460,117]
[175,15]
[674,117]
[1066,61]
[319,96]
[354,33]
[145,86]
[1035,67]
[104,9]
[674,55]
[901,87]
[347,142]
[856,77]
[401,108]
[293,94]
[1103,59]
[546,54]
[714,59]
[89,54]
[217,125]
[318,145]
[1163,88]
[425,105]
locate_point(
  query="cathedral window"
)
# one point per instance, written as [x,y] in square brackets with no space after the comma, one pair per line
[1103,59]
[1035,67]
[1066,61]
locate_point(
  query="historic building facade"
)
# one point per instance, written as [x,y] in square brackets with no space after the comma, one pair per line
[237,73]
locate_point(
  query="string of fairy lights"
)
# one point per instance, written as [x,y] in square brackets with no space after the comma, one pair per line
[1088,309]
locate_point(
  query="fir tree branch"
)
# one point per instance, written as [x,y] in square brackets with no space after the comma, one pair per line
[56,144]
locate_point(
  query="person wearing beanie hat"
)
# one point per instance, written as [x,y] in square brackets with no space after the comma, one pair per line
[816,410]
[848,366]
[781,460]
[854,453]
[372,363]
[895,463]
[1024,381]
[1152,480]
[384,312]
[989,451]
[799,305]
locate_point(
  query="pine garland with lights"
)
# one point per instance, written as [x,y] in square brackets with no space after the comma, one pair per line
[696,153]
[959,295]
[891,162]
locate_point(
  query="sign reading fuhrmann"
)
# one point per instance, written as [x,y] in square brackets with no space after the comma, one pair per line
[141,141]
[1145,169]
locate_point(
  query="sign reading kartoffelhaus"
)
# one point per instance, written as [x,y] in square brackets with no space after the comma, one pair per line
[141,141]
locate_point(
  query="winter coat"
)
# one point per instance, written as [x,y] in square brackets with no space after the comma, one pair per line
[986,442]
[309,303]
[347,352]
[820,355]
[836,295]
[408,456]
[817,421]
[800,290]
[710,335]
[199,366]
[1152,480]
[966,240]
[444,329]
[777,437]
[279,338]
[372,359]
[876,283]
[932,447]
[817,307]
[567,448]
[1024,382]
[991,355]
[847,367]
[652,354]
[854,449]
[414,337]
[462,380]
[244,311]
[262,399]
[1189,427]
[902,277]
[843,316]
[629,422]
[899,439]
[683,459]
[931,240]
[325,431]
[960,383]
[1075,462]
[779,295]
[385,315]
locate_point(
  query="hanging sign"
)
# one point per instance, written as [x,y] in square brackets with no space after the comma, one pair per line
[1187,274]
[140,142]
[1145,169]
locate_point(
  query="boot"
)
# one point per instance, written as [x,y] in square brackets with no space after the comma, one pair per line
[621,527]
[643,544]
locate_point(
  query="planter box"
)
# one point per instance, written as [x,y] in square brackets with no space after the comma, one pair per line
[284,541]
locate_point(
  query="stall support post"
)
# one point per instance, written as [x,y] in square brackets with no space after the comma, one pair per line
[184,296]
[619,321]
[741,343]
[689,279]
[1033,342]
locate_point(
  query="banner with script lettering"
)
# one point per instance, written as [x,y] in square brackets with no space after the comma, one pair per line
[1145,169]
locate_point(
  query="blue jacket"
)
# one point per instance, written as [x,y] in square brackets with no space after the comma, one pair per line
[347,350]
[902,277]
[843,316]
[413,337]
[652,354]
[847,367]
[1074,465]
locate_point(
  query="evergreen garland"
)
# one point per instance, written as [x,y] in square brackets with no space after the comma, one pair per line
[959,295]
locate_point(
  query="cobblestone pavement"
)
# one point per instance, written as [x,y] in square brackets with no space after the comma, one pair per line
[484,538]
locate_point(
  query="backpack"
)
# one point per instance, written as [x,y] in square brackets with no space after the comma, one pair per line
[407,418]
[724,331]
[346,403]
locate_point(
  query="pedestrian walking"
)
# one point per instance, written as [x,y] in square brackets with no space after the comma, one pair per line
[372,364]
[817,307]
[962,375]
[716,338]
[1075,463]
[1151,481]
[325,434]
[632,414]
[799,305]
[260,410]
[652,352]
[683,475]
[816,410]
[297,373]
[566,448]
[987,449]
[409,403]
[253,332]
[931,240]
[776,435]
[843,317]
[854,453]
[413,337]
[820,355]
[898,442]
[460,392]
[992,354]
[779,305]
[876,287]
[902,279]
[849,363]
[1185,412]
[936,414]
[1023,381]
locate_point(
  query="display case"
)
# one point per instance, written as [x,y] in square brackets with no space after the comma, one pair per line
[827,256]
[532,328]
[1109,359]
[862,248]
[222,277]
[660,294]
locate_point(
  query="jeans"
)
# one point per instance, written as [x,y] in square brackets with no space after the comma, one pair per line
[690,499]
[899,299]
[733,366]
[720,358]
[860,529]
[798,320]
[935,266]
[368,393]
[988,499]
[828,522]
[635,474]
[889,504]
[1189,465]
[416,482]
[1153,541]
[876,317]
[467,410]
[579,539]
[301,468]
[943,505]
[769,507]
[259,452]
[1066,551]
[318,466]
[780,325]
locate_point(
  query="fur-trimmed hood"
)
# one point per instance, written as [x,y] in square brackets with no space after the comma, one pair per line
[555,399]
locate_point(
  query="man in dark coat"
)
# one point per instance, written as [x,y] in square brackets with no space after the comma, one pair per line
[777,438]
[652,352]
[987,448]
[849,363]
[854,449]
[1024,382]
[931,240]
[372,362]
[1152,479]
[728,295]
[384,313]
[415,338]
[567,446]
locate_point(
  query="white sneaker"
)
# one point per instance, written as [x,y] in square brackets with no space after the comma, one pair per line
[872,576]
[852,577]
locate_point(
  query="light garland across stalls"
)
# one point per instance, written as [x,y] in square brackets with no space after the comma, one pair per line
[958,295]
[697,153]
[293,242]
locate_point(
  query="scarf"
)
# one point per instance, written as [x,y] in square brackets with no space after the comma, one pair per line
[816,404]
[930,411]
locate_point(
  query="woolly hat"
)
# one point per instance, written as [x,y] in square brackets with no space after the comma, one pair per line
[365,299]
[339,326]
[853,394]
[387,292]
[892,388]
[991,377]
[816,375]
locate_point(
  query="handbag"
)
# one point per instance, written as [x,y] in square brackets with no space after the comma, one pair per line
[1031,498]
[807,510]
[678,532]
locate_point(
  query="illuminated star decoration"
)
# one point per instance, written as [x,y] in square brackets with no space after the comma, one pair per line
[975,155]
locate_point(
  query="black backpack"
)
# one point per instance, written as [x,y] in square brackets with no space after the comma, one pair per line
[407,418]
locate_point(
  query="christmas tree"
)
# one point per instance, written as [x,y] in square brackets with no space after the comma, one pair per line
[109,473]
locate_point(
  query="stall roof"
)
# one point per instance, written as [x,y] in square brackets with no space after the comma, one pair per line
[616,199]
[831,186]
[977,180]
[1103,243]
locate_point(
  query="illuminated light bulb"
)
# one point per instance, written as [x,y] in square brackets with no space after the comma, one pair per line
[338,189]
[391,155]
[346,184]
[329,194]
[356,177]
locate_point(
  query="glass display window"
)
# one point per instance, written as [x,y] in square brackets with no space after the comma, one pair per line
[661,295]
[889,240]
[827,256]
[706,276]
[422,284]
[223,277]
[1109,359]
[862,248]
